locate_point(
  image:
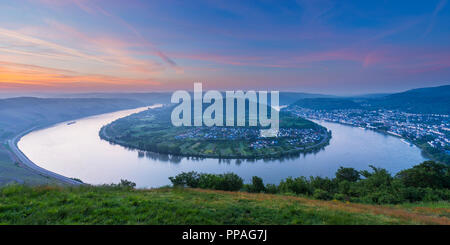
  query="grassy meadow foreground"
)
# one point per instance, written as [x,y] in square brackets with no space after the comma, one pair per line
[419,195]
[123,205]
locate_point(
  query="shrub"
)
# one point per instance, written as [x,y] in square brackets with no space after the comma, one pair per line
[412,194]
[428,181]
[344,187]
[231,182]
[226,182]
[257,185]
[431,195]
[271,189]
[321,194]
[340,197]
[190,179]
[378,178]
[325,184]
[382,196]
[348,174]
[436,194]
[298,186]
[427,174]
[209,181]
[127,184]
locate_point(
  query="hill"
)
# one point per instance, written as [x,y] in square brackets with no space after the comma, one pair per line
[327,103]
[287,98]
[147,98]
[119,205]
[432,100]
[422,100]
[23,113]
[19,114]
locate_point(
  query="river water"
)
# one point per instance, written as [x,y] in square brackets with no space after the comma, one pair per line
[76,150]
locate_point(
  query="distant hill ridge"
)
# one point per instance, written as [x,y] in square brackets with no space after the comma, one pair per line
[431,100]
[327,103]
[421,100]
[19,114]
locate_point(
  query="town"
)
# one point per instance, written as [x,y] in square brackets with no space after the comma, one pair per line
[293,136]
[431,129]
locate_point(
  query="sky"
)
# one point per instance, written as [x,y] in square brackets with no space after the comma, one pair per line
[330,47]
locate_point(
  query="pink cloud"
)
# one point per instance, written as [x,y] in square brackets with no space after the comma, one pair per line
[94,9]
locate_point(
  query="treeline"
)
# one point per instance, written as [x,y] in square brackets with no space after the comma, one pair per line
[428,181]
[225,182]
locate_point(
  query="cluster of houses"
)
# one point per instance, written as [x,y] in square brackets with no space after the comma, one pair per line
[220,133]
[293,136]
[433,128]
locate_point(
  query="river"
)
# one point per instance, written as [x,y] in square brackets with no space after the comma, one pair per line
[76,150]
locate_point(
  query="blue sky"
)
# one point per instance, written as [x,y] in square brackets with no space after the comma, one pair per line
[337,47]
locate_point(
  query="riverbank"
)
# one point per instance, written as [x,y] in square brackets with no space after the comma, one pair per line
[294,152]
[349,147]
[20,160]
[152,131]
[23,160]
[42,205]
[424,151]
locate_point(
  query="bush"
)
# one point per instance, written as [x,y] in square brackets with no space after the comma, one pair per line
[226,182]
[345,187]
[428,181]
[231,182]
[257,185]
[436,194]
[431,195]
[298,186]
[378,178]
[412,194]
[321,194]
[271,189]
[340,197]
[127,184]
[427,174]
[348,174]
[209,181]
[325,184]
[190,179]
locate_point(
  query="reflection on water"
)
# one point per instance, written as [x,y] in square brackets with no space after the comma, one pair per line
[175,159]
[76,150]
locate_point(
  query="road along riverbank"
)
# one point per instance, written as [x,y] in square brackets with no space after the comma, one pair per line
[25,162]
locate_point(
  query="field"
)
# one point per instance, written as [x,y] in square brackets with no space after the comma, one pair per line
[119,205]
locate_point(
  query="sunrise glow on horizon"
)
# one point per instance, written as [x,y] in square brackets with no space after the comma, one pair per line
[143,46]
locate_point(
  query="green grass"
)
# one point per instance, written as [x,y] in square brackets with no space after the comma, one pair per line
[21,204]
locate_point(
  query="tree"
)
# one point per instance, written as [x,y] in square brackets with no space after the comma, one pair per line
[257,185]
[127,184]
[190,179]
[231,182]
[379,177]
[348,174]
[427,174]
